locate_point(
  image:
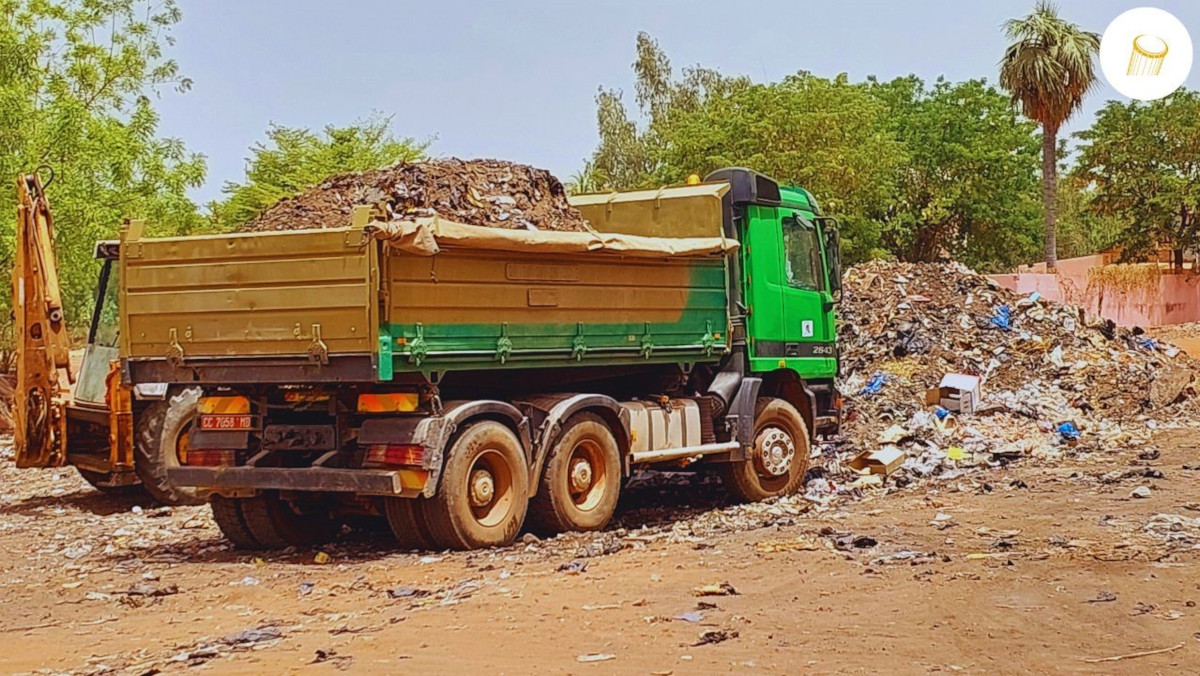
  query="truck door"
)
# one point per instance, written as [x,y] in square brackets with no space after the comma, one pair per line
[791,318]
[807,302]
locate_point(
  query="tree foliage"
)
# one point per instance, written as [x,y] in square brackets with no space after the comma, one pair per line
[1141,163]
[295,159]
[77,79]
[910,171]
[969,182]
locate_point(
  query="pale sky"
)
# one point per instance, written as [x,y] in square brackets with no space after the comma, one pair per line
[516,80]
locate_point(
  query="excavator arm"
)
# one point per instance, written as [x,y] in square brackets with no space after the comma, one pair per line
[43,345]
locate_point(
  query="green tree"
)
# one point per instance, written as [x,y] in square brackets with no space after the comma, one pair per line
[829,136]
[910,171]
[1048,69]
[629,155]
[293,160]
[1082,228]
[1141,163]
[77,79]
[968,187]
[589,179]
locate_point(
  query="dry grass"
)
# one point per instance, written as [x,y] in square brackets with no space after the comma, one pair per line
[1127,277]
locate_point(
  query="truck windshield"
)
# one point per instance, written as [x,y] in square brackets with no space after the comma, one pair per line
[802,249]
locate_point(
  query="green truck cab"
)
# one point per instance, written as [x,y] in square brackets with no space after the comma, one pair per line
[467,382]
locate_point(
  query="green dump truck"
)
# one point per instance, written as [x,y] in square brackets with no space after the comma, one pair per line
[466,382]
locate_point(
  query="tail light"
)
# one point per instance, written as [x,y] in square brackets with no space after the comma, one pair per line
[394,455]
[208,458]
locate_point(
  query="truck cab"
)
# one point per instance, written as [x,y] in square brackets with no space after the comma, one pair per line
[790,267]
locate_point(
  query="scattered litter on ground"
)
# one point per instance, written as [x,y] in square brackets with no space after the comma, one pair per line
[596,657]
[721,589]
[715,636]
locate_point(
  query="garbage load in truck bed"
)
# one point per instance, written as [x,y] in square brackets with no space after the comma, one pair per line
[367,302]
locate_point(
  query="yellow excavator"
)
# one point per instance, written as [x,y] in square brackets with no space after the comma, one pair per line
[85,416]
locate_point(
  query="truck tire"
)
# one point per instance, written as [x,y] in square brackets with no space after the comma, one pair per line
[484,491]
[779,459]
[405,518]
[227,512]
[277,523]
[581,481]
[159,433]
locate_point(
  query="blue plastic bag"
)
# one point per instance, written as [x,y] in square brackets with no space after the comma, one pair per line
[1002,318]
[1068,431]
[874,385]
[1146,342]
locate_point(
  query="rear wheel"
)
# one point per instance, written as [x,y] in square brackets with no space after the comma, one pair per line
[404,517]
[484,490]
[227,512]
[277,523]
[779,459]
[160,436]
[581,481]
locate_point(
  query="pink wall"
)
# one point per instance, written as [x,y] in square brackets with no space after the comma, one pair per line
[1171,299]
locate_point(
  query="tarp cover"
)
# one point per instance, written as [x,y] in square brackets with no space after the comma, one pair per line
[427,236]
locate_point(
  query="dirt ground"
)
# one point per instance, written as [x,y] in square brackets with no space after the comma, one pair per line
[1024,569]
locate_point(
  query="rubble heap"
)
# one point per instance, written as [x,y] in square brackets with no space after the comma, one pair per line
[491,193]
[1051,380]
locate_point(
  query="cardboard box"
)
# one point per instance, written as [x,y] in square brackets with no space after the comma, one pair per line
[958,392]
[884,461]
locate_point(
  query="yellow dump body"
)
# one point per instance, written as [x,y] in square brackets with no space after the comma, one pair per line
[250,295]
[355,303]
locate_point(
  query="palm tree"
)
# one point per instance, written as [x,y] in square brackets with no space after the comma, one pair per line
[1048,69]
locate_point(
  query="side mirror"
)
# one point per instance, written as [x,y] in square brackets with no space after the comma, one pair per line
[833,256]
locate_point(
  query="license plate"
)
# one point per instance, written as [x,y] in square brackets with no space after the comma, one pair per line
[226,422]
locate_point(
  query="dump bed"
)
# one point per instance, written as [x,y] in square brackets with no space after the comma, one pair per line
[431,295]
[253,295]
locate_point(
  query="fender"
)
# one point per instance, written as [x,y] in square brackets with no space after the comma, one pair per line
[741,414]
[434,432]
[561,407]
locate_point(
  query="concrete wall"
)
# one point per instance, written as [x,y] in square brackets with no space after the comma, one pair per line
[1167,299]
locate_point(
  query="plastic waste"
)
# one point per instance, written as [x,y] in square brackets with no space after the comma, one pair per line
[874,385]
[1002,318]
[1068,431]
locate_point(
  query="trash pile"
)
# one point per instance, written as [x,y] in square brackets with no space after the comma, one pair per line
[943,369]
[491,193]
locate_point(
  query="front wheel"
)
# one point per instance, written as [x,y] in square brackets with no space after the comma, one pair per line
[484,491]
[160,437]
[779,459]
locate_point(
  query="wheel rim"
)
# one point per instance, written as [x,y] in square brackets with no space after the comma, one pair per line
[586,475]
[774,450]
[489,488]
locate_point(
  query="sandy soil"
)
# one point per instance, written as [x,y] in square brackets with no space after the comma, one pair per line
[1030,569]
